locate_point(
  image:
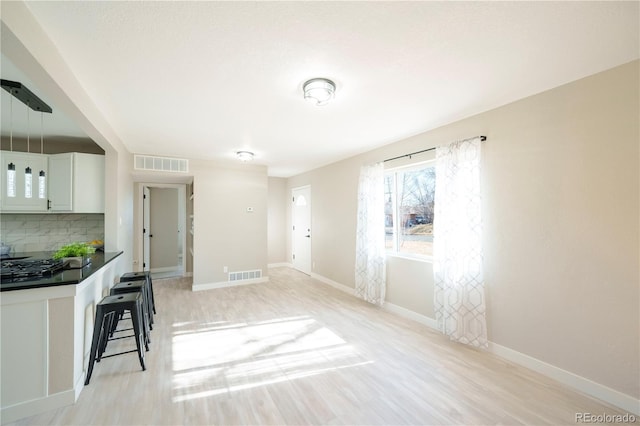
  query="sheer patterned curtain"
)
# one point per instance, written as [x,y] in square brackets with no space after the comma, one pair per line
[457,244]
[370,249]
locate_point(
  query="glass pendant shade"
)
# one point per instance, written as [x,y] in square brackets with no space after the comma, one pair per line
[42,185]
[11,180]
[28,183]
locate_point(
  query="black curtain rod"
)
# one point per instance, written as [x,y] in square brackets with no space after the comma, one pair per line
[482,139]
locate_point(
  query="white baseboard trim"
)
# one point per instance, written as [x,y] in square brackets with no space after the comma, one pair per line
[79,385]
[568,378]
[409,314]
[165,269]
[280,265]
[579,383]
[223,284]
[37,406]
[334,284]
[398,310]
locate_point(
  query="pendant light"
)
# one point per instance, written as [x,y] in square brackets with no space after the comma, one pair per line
[22,93]
[11,180]
[42,179]
[11,168]
[28,183]
[28,176]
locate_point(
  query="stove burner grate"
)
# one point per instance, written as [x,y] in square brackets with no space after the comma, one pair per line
[11,269]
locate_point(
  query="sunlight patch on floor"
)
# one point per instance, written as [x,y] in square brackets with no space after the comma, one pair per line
[250,385]
[220,358]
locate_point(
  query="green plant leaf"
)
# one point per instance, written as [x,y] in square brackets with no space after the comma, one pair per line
[74,250]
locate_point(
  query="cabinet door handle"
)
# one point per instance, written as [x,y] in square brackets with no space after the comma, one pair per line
[48,204]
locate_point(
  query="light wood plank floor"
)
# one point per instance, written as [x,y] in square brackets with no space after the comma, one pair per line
[295,351]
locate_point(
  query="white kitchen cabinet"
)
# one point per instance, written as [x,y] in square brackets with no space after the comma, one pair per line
[61,182]
[76,183]
[26,195]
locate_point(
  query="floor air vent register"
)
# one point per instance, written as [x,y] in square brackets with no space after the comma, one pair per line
[245,275]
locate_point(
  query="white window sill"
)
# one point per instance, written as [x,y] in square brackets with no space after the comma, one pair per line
[425,259]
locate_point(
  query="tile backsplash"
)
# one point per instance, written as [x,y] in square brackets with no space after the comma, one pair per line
[45,232]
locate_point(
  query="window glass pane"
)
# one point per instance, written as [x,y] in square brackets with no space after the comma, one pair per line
[416,190]
[388,210]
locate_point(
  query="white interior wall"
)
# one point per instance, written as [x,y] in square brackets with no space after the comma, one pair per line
[226,234]
[277,221]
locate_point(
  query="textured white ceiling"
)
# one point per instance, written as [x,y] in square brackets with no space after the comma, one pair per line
[205,79]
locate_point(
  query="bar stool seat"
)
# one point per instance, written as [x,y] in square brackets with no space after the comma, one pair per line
[137,285]
[106,310]
[133,287]
[146,275]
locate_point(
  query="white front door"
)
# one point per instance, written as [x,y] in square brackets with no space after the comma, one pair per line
[301,218]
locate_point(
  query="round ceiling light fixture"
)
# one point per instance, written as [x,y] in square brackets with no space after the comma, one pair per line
[319,90]
[244,155]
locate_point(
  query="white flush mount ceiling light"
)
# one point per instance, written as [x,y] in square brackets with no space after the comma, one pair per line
[319,90]
[244,155]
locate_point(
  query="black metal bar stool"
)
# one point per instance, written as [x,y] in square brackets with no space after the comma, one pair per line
[106,311]
[135,276]
[133,287]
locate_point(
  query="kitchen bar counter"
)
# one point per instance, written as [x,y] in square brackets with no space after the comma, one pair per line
[63,277]
[46,327]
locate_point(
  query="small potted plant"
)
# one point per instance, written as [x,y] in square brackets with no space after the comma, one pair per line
[75,255]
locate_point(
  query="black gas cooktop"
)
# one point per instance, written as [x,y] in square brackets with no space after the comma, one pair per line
[12,270]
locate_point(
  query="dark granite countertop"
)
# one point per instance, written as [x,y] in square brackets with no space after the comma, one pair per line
[63,277]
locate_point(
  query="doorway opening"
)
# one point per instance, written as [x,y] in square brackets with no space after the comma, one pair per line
[161,230]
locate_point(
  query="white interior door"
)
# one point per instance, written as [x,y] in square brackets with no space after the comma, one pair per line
[146,228]
[301,218]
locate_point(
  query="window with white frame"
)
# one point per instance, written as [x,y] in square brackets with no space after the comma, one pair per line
[409,209]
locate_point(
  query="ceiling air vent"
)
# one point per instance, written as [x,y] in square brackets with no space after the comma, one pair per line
[160,164]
